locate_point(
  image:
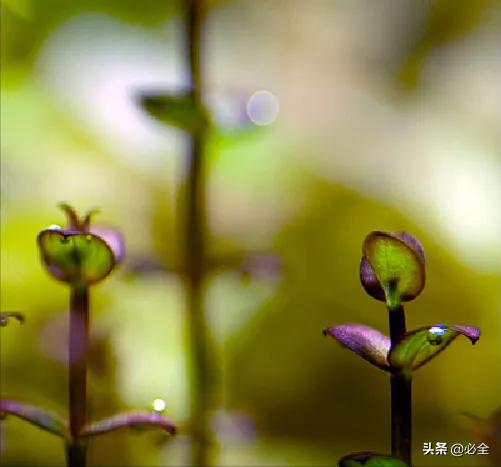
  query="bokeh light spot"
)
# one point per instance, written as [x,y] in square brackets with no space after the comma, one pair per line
[159,405]
[262,108]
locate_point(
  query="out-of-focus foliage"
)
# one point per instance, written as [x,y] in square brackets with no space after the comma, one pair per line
[351,151]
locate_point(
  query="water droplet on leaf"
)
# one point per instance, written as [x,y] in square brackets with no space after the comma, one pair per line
[435,334]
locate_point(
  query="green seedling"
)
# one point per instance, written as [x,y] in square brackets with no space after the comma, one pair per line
[392,270]
[80,256]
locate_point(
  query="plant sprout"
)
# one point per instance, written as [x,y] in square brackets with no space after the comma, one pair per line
[80,256]
[392,270]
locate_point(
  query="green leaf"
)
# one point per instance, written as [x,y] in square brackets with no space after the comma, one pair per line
[421,345]
[4,317]
[366,342]
[395,264]
[179,111]
[129,420]
[42,418]
[371,459]
[74,257]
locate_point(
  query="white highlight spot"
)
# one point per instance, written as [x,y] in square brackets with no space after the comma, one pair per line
[54,227]
[437,330]
[159,405]
[262,108]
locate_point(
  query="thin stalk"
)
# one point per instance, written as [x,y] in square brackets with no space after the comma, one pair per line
[401,405]
[195,249]
[78,351]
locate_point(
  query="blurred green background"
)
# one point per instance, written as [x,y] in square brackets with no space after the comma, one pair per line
[382,115]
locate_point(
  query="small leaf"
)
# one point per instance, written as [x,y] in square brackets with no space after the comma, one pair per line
[75,257]
[4,317]
[370,282]
[394,265]
[371,459]
[42,418]
[421,345]
[129,420]
[369,343]
[179,110]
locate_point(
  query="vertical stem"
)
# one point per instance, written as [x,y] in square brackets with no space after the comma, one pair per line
[78,350]
[401,403]
[195,249]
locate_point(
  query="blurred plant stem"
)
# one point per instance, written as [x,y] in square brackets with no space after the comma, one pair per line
[401,404]
[78,352]
[199,361]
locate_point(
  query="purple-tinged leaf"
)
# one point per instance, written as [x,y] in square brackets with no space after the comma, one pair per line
[41,418]
[411,242]
[370,282]
[371,459]
[396,262]
[365,341]
[75,257]
[4,317]
[129,420]
[421,345]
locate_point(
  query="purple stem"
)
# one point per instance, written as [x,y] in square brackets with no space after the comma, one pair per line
[78,350]
[401,402]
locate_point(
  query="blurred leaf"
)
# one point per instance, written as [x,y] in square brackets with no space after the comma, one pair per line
[395,264]
[179,111]
[113,238]
[75,257]
[4,317]
[421,345]
[129,420]
[43,419]
[488,431]
[371,459]
[365,341]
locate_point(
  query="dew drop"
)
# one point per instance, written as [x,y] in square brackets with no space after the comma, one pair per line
[435,334]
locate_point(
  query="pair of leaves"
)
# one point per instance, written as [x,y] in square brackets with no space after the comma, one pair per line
[392,268]
[56,425]
[413,351]
[371,459]
[81,255]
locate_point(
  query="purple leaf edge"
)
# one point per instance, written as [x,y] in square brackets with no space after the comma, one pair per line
[22,411]
[355,337]
[128,420]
